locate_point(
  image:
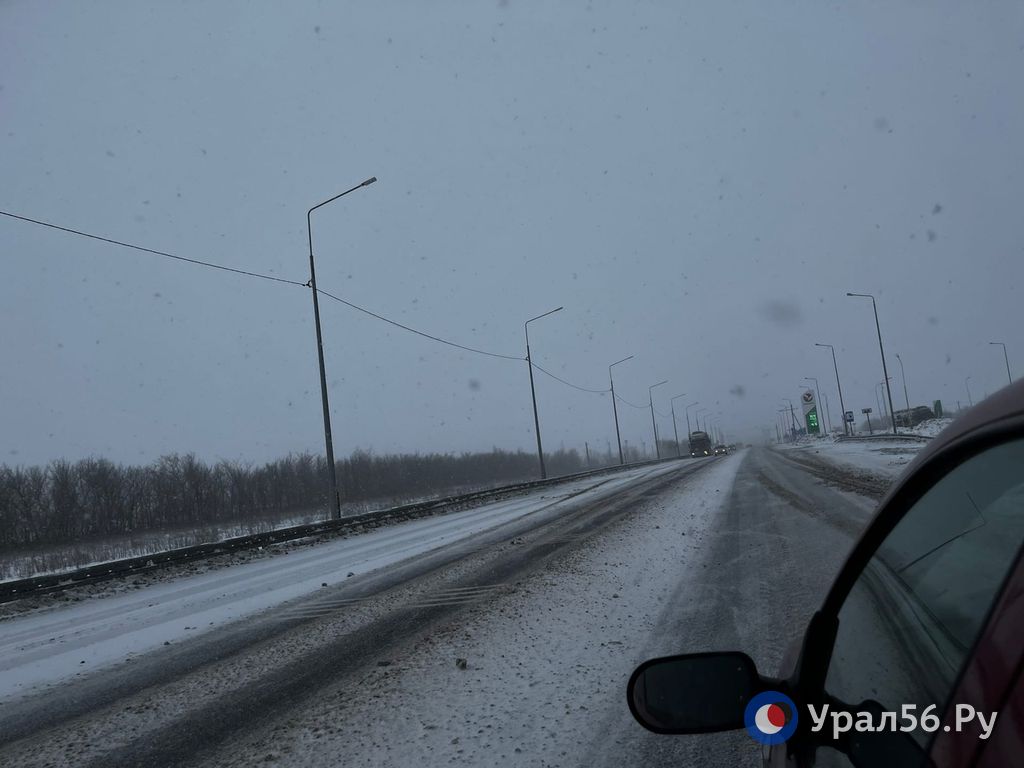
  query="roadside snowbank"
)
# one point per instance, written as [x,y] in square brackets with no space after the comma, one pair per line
[881,457]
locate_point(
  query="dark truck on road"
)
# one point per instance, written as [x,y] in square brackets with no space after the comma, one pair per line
[700,444]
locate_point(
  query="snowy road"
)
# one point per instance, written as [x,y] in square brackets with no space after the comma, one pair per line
[549,599]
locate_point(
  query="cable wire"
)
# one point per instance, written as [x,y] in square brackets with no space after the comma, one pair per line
[151,250]
[633,405]
[569,383]
[413,330]
[248,273]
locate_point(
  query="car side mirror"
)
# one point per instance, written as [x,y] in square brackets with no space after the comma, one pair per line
[693,693]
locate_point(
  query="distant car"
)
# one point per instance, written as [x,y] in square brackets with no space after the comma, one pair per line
[721,450]
[922,627]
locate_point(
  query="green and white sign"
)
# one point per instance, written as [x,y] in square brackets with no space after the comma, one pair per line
[810,412]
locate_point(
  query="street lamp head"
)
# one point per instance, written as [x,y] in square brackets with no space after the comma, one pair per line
[368,182]
[538,317]
[658,384]
[671,399]
[620,361]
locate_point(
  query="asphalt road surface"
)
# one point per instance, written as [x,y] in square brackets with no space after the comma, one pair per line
[502,635]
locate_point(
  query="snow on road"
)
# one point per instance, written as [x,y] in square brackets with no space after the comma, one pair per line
[543,661]
[37,650]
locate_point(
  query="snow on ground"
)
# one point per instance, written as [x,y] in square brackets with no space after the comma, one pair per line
[929,428]
[40,649]
[542,660]
[61,558]
[887,458]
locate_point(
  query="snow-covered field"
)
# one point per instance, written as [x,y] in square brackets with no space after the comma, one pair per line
[43,648]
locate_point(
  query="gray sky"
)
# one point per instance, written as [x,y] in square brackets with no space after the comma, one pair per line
[698,186]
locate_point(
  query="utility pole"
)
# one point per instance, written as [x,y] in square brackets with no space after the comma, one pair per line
[1006,359]
[675,428]
[615,409]
[654,423]
[688,430]
[332,469]
[881,349]
[533,392]
[842,405]
[903,375]
[792,414]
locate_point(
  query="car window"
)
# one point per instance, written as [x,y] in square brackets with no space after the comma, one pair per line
[911,618]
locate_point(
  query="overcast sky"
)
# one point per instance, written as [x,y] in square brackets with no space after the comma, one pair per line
[698,184]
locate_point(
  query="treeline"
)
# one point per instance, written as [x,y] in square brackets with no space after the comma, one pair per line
[66,502]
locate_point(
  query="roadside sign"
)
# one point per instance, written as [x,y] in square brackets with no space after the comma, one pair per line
[849,417]
[865,410]
[810,409]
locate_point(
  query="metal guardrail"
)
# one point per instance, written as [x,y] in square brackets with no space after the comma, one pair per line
[45,584]
[884,437]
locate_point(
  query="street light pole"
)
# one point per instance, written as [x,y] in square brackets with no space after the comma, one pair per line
[615,409]
[885,371]
[903,375]
[675,428]
[970,400]
[839,386]
[1005,358]
[792,415]
[705,411]
[650,400]
[688,430]
[332,470]
[533,392]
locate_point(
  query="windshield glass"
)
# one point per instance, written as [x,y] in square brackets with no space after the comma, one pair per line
[388,380]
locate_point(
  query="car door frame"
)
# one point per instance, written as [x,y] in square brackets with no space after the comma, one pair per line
[807,679]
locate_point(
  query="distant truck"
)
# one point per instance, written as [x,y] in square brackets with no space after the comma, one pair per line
[700,444]
[914,416]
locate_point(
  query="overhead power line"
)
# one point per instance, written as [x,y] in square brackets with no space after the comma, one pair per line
[413,330]
[632,405]
[166,255]
[248,273]
[569,383]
